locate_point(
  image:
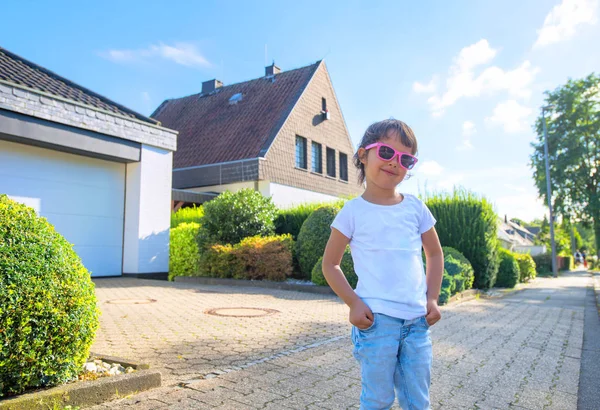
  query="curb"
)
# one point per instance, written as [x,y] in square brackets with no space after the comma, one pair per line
[265,284]
[88,393]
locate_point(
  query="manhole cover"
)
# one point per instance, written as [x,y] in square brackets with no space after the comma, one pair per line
[241,312]
[130,301]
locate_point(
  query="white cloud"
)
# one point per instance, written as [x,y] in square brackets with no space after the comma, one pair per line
[468,128]
[515,187]
[511,115]
[428,88]
[560,24]
[430,168]
[462,81]
[180,53]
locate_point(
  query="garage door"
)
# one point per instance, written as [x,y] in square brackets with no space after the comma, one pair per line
[82,197]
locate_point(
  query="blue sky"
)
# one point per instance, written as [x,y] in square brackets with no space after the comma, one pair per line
[467,76]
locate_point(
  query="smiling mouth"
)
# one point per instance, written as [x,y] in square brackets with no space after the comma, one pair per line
[389,173]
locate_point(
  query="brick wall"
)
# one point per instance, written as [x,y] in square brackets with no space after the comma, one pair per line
[305,121]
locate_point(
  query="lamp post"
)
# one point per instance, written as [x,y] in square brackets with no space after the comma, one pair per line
[549,191]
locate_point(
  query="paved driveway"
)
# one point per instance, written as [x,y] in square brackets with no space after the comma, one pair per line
[520,351]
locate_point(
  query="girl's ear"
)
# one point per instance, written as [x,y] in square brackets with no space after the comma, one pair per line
[362,155]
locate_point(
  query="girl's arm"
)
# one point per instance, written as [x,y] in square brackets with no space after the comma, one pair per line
[433,276]
[360,314]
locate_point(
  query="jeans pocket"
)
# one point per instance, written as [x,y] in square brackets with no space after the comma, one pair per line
[370,328]
[424,320]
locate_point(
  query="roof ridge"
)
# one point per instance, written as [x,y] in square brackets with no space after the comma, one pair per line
[75,85]
[316,64]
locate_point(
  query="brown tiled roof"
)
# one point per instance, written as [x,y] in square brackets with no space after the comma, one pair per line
[17,70]
[211,130]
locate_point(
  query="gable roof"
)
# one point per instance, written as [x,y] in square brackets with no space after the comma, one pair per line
[213,130]
[17,70]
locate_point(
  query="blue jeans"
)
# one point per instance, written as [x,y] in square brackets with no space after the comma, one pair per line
[394,353]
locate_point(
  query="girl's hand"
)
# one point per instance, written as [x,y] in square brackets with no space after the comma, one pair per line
[433,312]
[360,315]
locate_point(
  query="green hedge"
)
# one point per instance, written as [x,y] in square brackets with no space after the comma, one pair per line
[233,216]
[543,263]
[469,224]
[184,254]
[254,258]
[347,266]
[289,221]
[464,269]
[48,314]
[508,272]
[313,237]
[186,215]
[526,267]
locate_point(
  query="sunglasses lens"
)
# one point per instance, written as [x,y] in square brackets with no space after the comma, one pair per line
[386,153]
[407,162]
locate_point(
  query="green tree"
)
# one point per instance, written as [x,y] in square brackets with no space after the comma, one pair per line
[573,151]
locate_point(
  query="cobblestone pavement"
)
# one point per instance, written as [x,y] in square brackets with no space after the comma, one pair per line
[521,351]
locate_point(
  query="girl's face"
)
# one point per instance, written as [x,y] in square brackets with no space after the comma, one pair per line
[385,175]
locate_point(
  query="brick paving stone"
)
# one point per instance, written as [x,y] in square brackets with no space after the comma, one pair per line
[523,349]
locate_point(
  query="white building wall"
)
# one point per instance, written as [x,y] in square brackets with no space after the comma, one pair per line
[147,212]
[286,196]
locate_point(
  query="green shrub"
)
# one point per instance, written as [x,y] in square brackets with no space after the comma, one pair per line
[568,262]
[448,286]
[459,283]
[543,263]
[184,254]
[508,272]
[347,266]
[233,216]
[313,237]
[469,224]
[291,220]
[186,215]
[48,314]
[254,258]
[459,270]
[526,266]
[467,269]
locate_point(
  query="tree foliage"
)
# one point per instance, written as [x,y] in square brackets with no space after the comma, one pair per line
[573,150]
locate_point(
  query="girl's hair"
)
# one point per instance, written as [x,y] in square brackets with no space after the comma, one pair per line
[382,130]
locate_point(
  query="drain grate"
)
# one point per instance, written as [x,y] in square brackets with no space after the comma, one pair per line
[241,312]
[130,301]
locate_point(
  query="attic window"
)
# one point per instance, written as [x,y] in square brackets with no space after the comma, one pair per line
[235,98]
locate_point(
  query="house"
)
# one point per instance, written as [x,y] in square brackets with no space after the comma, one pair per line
[516,238]
[98,171]
[282,134]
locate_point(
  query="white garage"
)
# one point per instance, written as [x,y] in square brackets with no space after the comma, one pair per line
[99,172]
[84,198]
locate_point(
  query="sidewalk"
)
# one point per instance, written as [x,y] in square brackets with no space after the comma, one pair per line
[521,351]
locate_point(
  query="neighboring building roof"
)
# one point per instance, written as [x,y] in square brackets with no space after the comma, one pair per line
[507,231]
[17,70]
[534,229]
[213,129]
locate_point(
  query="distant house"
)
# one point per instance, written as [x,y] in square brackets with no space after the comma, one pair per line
[99,172]
[282,134]
[517,238]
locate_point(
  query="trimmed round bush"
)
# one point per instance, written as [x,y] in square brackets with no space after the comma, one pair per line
[508,272]
[347,266]
[447,288]
[526,266]
[466,267]
[184,254]
[48,315]
[233,216]
[313,237]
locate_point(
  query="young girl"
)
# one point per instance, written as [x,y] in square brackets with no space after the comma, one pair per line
[395,303]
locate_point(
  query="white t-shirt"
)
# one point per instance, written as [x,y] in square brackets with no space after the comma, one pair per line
[385,241]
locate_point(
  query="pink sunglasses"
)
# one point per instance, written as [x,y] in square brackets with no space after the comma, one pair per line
[387,153]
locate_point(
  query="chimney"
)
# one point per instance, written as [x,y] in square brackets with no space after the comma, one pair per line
[210,86]
[272,70]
